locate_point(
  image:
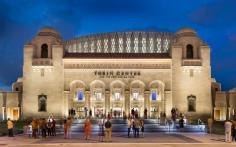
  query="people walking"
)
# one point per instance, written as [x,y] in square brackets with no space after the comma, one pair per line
[44,128]
[40,126]
[53,127]
[90,113]
[209,124]
[101,130]
[65,128]
[142,127]
[129,126]
[234,122]
[108,130]
[87,129]
[136,126]
[181,122]
[10,127]
[34,127]
[30,130]
[132,113]
[228,126]
[49,127]
[132,125]
[233,133]
[69,123]
[25,130]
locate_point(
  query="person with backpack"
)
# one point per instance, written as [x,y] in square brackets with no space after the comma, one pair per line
[108,130]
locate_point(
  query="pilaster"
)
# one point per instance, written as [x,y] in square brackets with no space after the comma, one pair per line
[127,102]
[147,102]
[87,100]
[107,101]
[66,103]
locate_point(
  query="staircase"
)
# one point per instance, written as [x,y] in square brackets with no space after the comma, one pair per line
[120,125]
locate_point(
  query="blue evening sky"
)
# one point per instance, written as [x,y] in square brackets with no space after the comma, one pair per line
[214,21]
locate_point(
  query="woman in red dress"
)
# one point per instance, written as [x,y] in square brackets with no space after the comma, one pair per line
[87,128]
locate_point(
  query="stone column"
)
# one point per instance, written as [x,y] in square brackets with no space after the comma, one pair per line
[227,106]
[87,100]
[66,103]
[214,108]
[5,105]
[127,102]
[107,101]
[147,102]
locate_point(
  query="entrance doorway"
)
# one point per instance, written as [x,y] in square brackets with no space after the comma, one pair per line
[117,112]
[13,113]
[98,112]
[135,111]
[217,114]
[154,112]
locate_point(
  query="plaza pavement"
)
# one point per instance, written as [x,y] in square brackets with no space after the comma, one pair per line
[121,140]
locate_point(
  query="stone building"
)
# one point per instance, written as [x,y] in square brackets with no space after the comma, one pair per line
[115,73]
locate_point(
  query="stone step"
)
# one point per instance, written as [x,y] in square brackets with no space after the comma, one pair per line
[115,121]
[120,125]
[148,128]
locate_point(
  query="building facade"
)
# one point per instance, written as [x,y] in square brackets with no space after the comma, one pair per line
[114,73]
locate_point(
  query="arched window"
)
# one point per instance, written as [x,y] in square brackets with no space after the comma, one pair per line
[154,95]
[44,51]
[42,103]
[191,103]
[80,95]
[189,51]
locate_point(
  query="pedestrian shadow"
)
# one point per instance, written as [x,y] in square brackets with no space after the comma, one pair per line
[219,140]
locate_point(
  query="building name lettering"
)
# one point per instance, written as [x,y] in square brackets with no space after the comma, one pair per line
[116,74]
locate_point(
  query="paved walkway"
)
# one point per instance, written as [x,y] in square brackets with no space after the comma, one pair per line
[120,139]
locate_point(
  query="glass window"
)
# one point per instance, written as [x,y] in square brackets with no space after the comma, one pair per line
[189,51]
[117,96]
[153,109]
[80,96]
[154,95]
[98,96]
[135,95]
[44,51]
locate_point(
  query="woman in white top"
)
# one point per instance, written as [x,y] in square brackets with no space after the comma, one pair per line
[101,133]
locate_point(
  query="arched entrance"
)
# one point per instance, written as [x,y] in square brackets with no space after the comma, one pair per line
[157,101]
[137,98]
[77,107]
[97,99]
[117,99]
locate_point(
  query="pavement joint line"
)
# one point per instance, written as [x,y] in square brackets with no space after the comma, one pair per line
[110,143]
